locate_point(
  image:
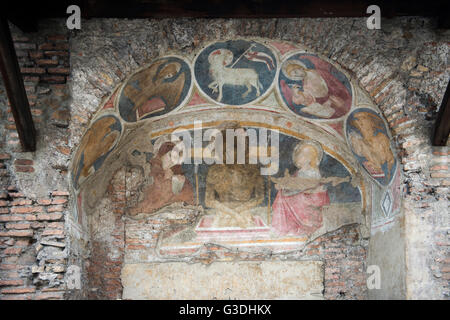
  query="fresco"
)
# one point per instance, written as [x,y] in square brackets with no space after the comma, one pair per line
[386,203]
[313,88]
[235,72]
[301,196]
[319,186]
[96,145]
[239,205]
[156,90]
[369,140]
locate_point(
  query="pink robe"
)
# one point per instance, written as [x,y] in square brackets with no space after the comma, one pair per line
[299,213]
[335,88]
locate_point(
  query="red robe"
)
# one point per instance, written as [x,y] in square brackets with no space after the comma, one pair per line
[299,213]
[159,193]
[335,88]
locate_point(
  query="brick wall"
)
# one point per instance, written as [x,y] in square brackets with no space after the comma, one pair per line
[32,243]
[33,246]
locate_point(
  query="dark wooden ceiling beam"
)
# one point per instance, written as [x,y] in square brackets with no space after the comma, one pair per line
[27,24]
[15,89]
[442,125]
[227,8]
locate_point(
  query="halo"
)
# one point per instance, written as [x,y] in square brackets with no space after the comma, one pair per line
[227,52]
[312,143]
[159,142]
[288,63]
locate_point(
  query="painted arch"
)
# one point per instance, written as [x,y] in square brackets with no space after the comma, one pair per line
[318,111]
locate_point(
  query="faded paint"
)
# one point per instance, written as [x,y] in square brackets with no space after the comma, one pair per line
[224,280]
[326,180]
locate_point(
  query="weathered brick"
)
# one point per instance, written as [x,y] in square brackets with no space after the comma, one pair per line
[36,54]
[64,71]
[439,167]
[52,53]
[44,202]
[57,37]
[47,62]
[25,162]
[56,225]
[24,169]
[19,38]
[53,79]
[12,250]
[10,266]
[25,46]
[14,194]
[446,276]
[50,296]
[32,70]
[10,127]
[13,142]
[18,226]
[440,174]
[54,46]
[17,297]
[52,289]
[10,218]
[29,217]
[22,202]
[34,209]
[55,208]
[18,290]
[60,193]
[37,225]
[31,79]
[5,156]
[17,282]
[22,242]
[59,201]
[53,232]
[445,269]
[50,216]
[16,233]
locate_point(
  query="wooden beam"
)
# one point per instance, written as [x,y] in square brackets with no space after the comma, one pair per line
[225,8]
[28,24]
[442,125]
[256,8]
[15,89]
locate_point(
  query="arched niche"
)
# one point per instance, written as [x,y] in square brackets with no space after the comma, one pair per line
[336,184]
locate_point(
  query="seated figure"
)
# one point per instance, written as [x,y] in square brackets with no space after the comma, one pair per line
[234,190]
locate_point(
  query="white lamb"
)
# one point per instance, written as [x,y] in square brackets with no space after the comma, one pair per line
[219,60]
